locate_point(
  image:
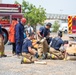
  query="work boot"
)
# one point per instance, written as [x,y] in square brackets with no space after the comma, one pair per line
[53,57]
[48,55]
[13,53]
[36,55]
[19,56]
[0,56]
[4,55]
[44,56]
[22,62]
[25,61]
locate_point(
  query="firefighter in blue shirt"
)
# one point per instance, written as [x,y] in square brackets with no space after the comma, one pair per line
[57,46]
[44,34]
[27,50]
[19,36]
[57,42]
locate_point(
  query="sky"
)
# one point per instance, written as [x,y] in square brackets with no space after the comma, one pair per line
[52,6]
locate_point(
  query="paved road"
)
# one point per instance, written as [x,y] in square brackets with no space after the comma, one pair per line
[11,66]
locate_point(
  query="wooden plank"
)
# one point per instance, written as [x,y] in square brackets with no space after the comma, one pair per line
[40,62]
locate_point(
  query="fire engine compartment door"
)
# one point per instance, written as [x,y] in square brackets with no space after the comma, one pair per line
[74,25]
[4,19]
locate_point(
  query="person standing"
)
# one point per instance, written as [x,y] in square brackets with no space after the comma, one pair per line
[29,29]
[2,54]
[19,36]
[12,35]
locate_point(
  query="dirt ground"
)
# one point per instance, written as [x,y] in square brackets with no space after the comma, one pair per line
[11,65]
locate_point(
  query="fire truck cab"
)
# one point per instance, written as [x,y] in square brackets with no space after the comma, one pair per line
[7,13]
[72,27]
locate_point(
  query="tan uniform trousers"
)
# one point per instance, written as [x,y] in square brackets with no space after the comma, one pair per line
[43,47]
[1,46]
[29,56]
[57,53]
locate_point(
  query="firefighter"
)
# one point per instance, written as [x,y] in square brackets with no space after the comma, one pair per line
[27,51]
[57,47]
[12,34]
[45,32]
[2,54]
[19,36]
[44,36]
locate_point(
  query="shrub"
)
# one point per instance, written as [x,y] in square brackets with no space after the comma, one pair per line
[55,26]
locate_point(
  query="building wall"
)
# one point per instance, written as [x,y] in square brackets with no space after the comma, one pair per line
[62,18]
[57,16]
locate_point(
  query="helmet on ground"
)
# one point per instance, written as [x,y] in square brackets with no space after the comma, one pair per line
[23,20]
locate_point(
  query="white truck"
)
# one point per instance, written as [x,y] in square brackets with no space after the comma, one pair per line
[63,27]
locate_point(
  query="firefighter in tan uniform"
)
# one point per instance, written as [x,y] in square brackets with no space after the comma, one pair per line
[2,54]
[43,36]
[57,47]
[27,51]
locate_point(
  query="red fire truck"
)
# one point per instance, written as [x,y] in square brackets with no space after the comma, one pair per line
[7,12]
[72,26]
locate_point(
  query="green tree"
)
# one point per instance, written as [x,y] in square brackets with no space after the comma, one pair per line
[55,26]
[32,14]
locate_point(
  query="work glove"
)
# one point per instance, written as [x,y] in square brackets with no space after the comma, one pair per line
[36,55]
[66,42]
[44,56]
[38,42]
[41,37]
[47,37]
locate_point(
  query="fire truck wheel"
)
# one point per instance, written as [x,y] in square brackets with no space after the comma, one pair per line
[5,36]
